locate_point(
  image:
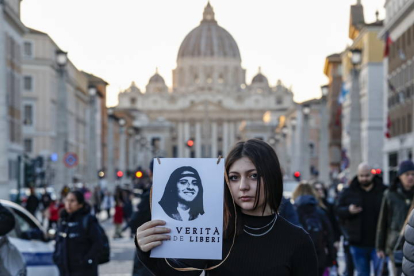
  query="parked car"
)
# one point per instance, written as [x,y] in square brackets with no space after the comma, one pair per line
[25,192]
[32,241]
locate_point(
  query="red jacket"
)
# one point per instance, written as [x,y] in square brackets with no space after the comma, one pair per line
[119,214]
[54,212]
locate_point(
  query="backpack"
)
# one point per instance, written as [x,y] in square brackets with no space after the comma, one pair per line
[105,254]
[312,223]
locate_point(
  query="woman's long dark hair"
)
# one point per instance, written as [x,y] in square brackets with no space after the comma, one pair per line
[267,164]
[169,200]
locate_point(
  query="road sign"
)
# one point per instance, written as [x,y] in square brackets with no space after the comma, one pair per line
[70,159]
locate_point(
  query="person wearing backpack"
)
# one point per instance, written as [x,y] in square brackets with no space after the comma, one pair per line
[78,238]
[358,208]
[315,221]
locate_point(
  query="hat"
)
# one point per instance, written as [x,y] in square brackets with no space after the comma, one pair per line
[405,166]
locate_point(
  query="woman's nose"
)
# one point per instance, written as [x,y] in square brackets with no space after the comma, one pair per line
[244,185]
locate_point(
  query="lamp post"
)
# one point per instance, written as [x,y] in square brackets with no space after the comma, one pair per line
[122,144]
[323,159]
[355,112]
[110,174]
[305,144]
[93,143]
[294,163]
[61,120]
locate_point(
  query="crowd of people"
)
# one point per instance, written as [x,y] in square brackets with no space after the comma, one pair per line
[372,222]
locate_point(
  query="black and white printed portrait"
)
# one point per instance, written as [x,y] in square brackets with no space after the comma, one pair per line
[183,195]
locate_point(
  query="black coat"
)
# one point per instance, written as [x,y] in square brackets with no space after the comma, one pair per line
[408,261]
[77,247]
[351,223]
[7,221]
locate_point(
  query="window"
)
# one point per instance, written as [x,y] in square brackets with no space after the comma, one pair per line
[133,101]
[279,100]
[28,145]
[28,115]
[28,49]
[28,83]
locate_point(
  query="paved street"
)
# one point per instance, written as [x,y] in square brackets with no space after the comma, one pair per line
[122,253]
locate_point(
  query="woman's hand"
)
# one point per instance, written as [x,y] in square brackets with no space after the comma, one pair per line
[150,236]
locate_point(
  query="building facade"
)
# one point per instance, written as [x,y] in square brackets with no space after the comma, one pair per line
[42,88]
[398,84]
[362,107]
[209,102]
[11,49]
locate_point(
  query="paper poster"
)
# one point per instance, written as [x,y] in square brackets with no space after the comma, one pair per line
[188,195]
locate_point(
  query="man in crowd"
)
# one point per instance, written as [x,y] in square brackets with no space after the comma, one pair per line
[358,208]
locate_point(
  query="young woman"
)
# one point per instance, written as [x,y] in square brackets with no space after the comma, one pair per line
[77,244]
[265,244]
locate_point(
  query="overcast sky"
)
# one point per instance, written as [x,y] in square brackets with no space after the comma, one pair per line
[125,40]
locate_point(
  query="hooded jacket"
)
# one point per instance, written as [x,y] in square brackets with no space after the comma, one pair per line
[307,206]
[352,223]
[77,247]
[408,249]
[394,210]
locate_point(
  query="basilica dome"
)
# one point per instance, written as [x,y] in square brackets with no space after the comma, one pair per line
[209,40]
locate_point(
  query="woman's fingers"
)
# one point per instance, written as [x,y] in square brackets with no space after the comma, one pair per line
[153,231]
[153,238]
[150,224]
[150,246]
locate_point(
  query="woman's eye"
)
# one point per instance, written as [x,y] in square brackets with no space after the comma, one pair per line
[183,181]
[253,176]
[233,177]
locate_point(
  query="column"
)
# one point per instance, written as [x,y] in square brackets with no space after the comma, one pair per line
[305,149]
[186,137]
[323,159]
[92,162]
[231,135]
[214,137]
[181,142]
[198,140]
[225,138]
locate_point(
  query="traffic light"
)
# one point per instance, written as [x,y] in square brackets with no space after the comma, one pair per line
[376,171]
[119,174]
[29,173]
[139,174]
[296,175]
[190,143]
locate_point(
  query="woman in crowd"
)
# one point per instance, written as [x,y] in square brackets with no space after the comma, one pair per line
[265,244]
[78,239]
[316,222]
[394,210]
[408,249]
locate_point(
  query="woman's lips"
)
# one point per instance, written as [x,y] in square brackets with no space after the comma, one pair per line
[246,198]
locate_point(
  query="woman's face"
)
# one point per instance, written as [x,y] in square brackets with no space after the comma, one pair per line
[187,188]
[319,189]
[407,180]
[243,185]
[71,203]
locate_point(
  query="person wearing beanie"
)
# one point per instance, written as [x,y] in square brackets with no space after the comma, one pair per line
[394,210]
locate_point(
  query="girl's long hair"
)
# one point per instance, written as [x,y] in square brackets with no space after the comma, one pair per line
[267,164]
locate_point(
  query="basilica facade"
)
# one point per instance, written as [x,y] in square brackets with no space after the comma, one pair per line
[210,101]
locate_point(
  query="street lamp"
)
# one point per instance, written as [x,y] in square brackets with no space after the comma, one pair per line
[61,121]
[93,142]
[325,90]
[305,136]
[61,58]
[306,110]
[323,160]
[122,145]
[355,56]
